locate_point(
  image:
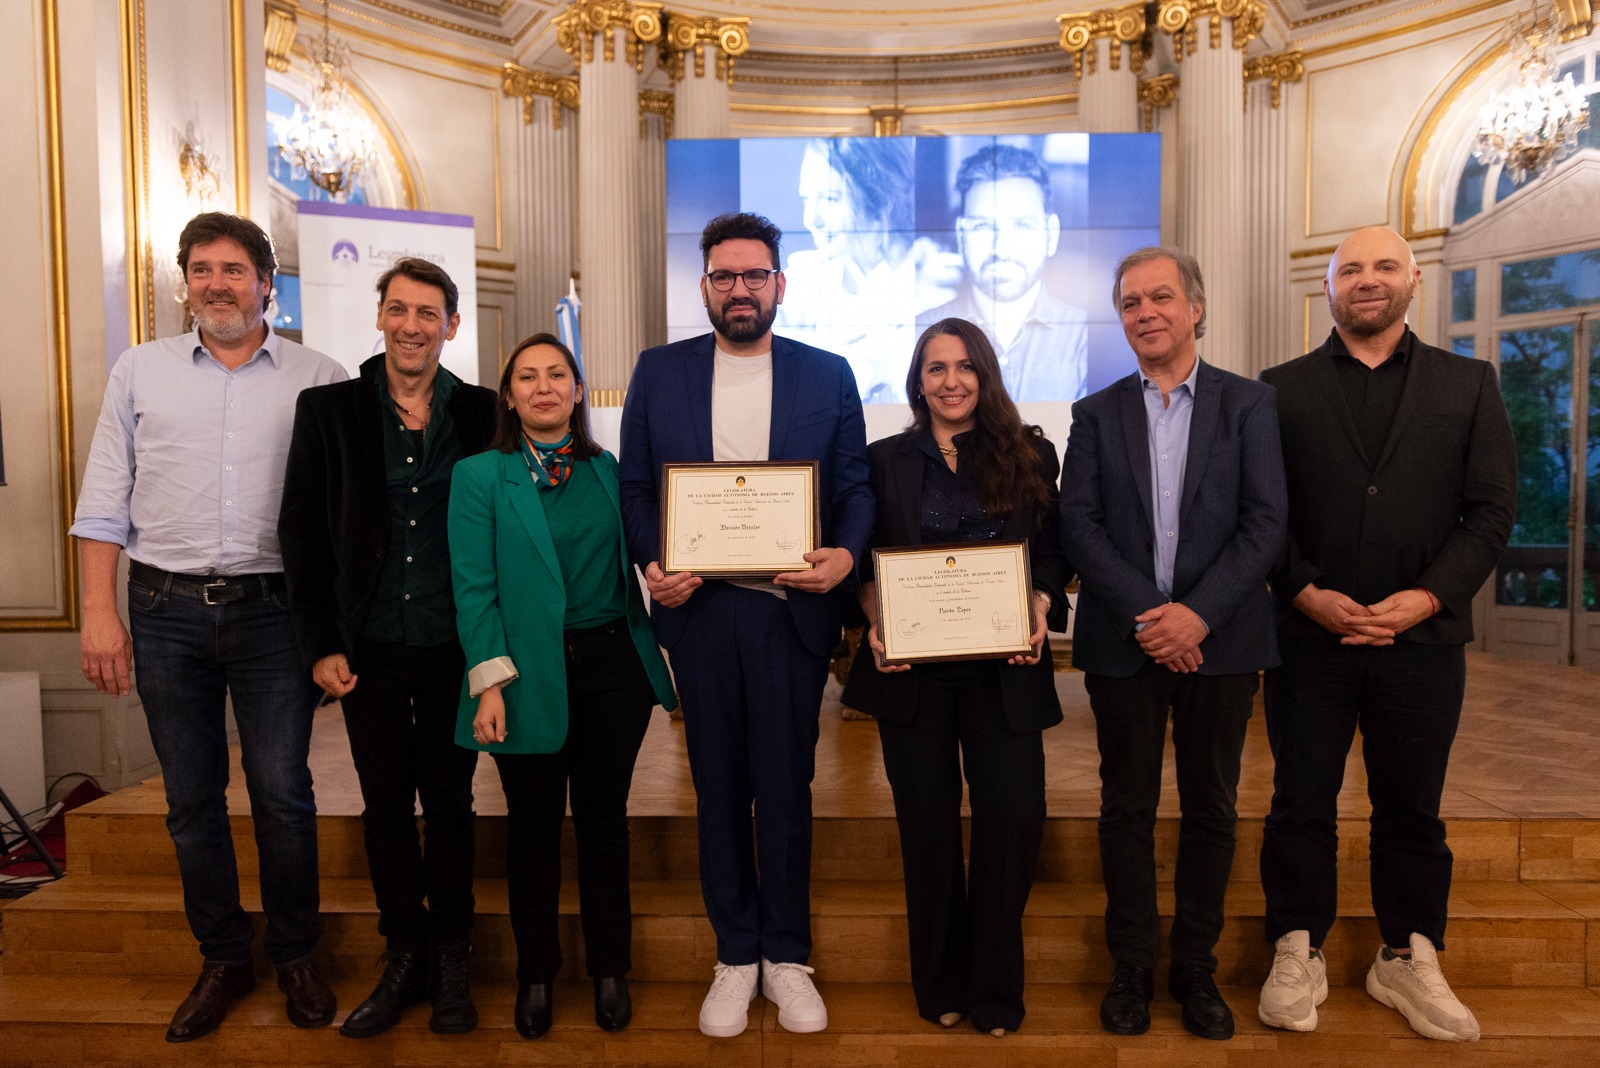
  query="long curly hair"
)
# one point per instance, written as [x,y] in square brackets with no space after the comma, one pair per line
[1001,447]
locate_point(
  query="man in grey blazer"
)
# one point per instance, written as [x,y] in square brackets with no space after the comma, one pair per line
[1402,488]
[1173,509]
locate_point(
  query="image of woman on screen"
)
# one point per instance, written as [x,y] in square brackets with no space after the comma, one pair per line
[855,293]
[965,470]
[564,668]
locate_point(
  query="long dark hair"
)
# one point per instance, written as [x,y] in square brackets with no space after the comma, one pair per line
[508,425]
[1001,450]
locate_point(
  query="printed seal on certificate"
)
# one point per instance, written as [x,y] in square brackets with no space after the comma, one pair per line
[739,520]
[954,602]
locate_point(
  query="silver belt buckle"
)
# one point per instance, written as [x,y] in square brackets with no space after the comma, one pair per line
[220,585]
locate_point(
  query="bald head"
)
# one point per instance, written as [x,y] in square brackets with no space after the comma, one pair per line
[1371,280]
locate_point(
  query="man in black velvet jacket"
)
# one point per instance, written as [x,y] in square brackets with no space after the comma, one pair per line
[368,572]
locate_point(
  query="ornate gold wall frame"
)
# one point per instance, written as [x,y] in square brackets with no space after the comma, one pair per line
[68,618]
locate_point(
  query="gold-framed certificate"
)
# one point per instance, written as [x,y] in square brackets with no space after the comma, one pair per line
[954,602]
[739,520]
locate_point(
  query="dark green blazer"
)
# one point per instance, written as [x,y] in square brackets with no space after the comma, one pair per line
[511,600]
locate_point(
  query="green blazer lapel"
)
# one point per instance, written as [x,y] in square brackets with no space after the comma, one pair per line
[524,497]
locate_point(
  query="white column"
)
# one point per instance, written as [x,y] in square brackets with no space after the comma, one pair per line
[546,245]
[1211,190]
[608,222]
[701,108]
[1267,232]
[1108,100]
[653,228]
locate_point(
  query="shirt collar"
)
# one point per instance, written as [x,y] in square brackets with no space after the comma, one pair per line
[1189,383]
[269,347]
[1399,358]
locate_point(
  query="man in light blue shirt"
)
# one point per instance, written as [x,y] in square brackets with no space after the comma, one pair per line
[186,473]
[1173,508]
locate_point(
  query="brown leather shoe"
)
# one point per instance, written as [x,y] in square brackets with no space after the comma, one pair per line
[309,1001]
[218,987]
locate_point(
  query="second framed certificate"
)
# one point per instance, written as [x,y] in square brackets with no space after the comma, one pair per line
[738,520]
[954,602]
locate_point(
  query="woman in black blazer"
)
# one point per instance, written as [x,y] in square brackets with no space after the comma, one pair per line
[966,469]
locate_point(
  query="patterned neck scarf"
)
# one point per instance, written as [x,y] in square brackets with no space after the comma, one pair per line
[549,464]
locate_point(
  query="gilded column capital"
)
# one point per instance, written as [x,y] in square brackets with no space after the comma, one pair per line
[686,34]
[282,23]
[1576,19]
[1274,70]
[1120,26]
[1181,19]
[520,81]
[1158,92]
[655,102]
[888,120]
[639,20]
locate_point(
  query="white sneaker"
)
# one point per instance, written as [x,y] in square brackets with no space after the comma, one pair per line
[726,1010]
[1297,984]
[1416,988]
[789,987]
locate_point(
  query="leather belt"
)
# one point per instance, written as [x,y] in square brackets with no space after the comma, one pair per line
[209,589]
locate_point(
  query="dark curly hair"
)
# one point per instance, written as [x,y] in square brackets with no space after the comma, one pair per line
[740,225]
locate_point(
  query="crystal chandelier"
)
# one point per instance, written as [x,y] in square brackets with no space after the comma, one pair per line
[1535,123]
[330,142]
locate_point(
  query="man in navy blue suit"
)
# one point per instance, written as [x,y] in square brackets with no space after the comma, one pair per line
[750,658]
[1173,509]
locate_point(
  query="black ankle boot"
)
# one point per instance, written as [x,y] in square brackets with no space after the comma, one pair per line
[453,1011]
[404,983]
[612,1006]
[532,1014]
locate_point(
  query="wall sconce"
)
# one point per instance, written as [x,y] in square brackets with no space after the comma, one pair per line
[200,181]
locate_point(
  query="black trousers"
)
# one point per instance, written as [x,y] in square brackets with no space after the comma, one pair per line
[1209,716]
[608,708]
[966,929]
[401,719]
[1406,699]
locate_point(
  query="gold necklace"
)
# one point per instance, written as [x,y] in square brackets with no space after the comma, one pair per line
[947,450]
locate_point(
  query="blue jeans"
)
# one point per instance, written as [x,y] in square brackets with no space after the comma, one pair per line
[187,656]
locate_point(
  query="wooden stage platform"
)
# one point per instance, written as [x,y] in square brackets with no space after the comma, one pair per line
[91,968]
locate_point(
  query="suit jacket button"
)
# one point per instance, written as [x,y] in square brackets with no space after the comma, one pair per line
[1372,491]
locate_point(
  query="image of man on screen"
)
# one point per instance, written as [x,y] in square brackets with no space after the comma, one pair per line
[1006,233]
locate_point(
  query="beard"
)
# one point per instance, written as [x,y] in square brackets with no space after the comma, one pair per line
[227,325]
[1369,322]
[741,330]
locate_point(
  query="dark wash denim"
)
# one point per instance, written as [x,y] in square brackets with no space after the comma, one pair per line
[187,657]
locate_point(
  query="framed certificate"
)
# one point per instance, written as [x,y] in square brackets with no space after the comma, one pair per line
[738,520]
[954,602]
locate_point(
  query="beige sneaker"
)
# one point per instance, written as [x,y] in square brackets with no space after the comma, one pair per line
[1415,987]
[789,987]
[726,1010]
[1297,984]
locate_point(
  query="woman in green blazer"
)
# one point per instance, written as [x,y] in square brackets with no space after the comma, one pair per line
[563,667]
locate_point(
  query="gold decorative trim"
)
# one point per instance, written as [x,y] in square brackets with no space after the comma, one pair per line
[136,176]
[887,120]
[55,186]
[1058,71]
[655,102]
[1056,100]
[1322,252]
[1180,19]
[693,33]
[576,27]
[1408,186]
[520,81]
[348,29]
[858,59]
[496,265]
[1393,32]
[1312,20]
[278,39]
[482,7]
[437,23]
[241,110]
[1160,91]
[1577,19]
[1274,70]
[1119,26]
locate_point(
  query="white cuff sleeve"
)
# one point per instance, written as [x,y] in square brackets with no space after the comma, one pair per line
[490,673]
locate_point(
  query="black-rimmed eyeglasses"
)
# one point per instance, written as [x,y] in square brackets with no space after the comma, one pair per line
[755,278]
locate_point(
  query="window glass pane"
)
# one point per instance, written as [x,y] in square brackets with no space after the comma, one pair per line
[1505,187]
[1469,191]
[1574,68]
[1551,282]
[285,308]
[1464,295]
[1464,346]
[1589,136]
[1536,379]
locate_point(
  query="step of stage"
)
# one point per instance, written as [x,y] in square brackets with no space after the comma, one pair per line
[101,1022]
[1518,934]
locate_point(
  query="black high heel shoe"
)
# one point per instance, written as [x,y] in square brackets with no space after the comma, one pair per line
[532,1014]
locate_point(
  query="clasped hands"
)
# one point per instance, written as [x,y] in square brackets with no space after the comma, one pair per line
[1171,635]
[1359,624]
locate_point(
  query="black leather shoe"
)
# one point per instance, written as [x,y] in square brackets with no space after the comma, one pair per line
[453,1010]
[1125,1010]
[404,983]
[1205,1014]
[308,999]
[218,987]
[532,1014]
[612,1006]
